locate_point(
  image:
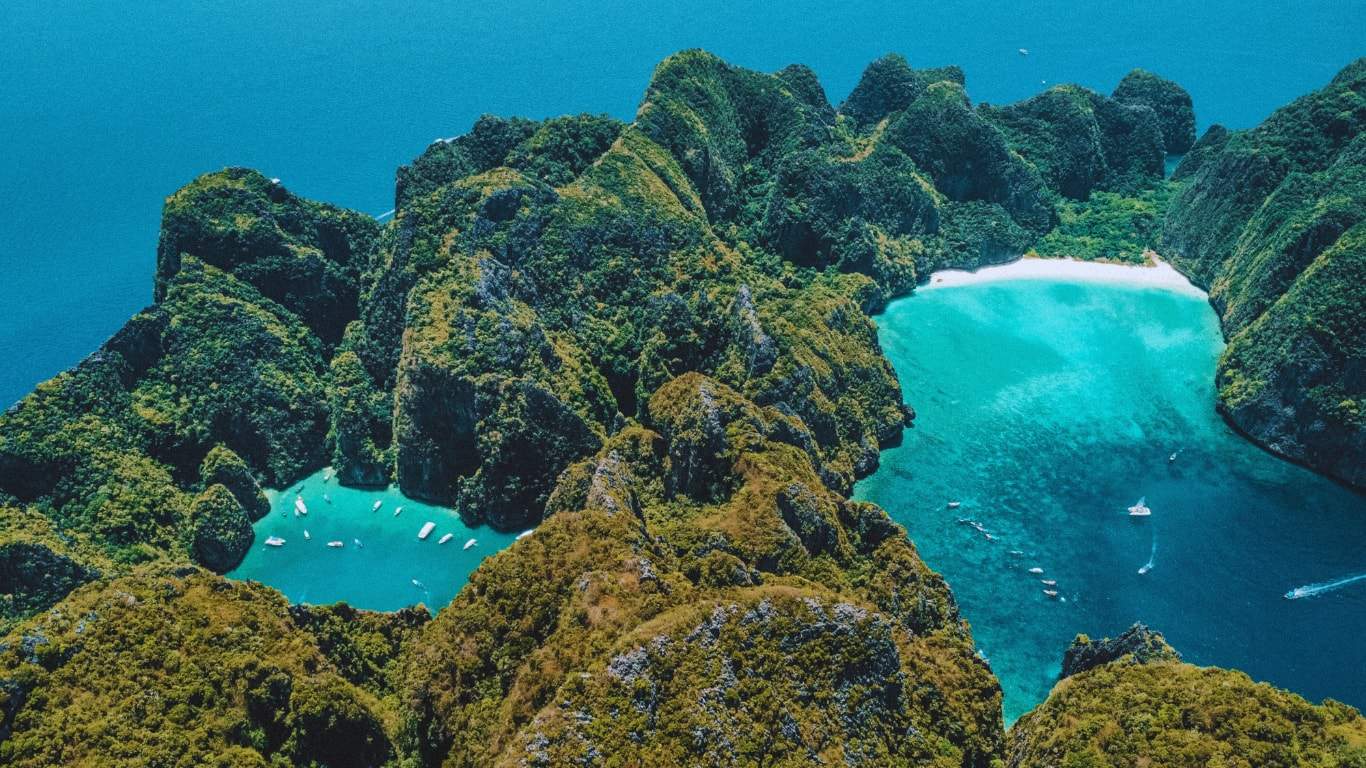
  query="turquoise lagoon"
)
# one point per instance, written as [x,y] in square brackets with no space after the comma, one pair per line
[1049,405]
[388,569]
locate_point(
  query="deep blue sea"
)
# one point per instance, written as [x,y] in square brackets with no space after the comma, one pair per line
[107,107]
[1046,408]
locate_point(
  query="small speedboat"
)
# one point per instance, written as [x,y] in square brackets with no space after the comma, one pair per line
[1171,458]
[525,534]
[419,584]
[1036,570]
[378,503]
[445,538]
[275,541]
[336,544]
[1140,508]
[1024,51]
[1143,571]
[955,504]
[306,536]
[471,543]
[1052,593]
[327,498]
[1017,552]
[1048,582]
[357,543]
[426,531]
[397,509]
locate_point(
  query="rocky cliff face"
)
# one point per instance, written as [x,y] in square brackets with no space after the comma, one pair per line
[1271,221]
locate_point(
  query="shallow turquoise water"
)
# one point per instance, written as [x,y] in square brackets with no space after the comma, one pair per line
[1047,408]
[378,573]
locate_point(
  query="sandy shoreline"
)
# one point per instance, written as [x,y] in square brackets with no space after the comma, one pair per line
[1159,274]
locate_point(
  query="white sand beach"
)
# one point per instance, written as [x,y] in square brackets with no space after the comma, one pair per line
[1158,274]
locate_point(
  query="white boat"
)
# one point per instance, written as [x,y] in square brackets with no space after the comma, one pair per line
[471,543]
[357,543]
[336,544]
[426,531]
[306,536]
[418,584]
[1036,570]
[275,541]
[1143,571]
[1171,458]
[299,506]
[1048,582]
[327,474]
[396,510]
[1053,593]
[1140,509]
[327,498]
[378,503]
[446,538]
[525,534]
[1024,51]
[955,504]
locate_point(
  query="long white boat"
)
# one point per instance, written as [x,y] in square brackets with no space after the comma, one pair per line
[471,543]
[300,508]
[275,541]
[446,538]
[426,531]
[336,544]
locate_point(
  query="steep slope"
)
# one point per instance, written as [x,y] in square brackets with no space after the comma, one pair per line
[179,667]
[1270,221]
[1136,704]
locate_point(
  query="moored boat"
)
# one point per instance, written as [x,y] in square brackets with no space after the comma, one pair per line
[1140,508]
[525,534]
[300,508]
[336,544]
[1036,570]
[426,531]
[275,541]
[470,543]
[445,538]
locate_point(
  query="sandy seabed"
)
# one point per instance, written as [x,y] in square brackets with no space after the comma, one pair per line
[1158,274]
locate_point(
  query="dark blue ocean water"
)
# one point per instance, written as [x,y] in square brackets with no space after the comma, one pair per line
[106,108]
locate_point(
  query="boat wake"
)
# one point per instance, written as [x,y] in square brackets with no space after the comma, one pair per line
[1310,590]
[1152,557]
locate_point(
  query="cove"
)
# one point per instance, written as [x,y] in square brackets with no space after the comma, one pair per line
[1049,399]
[379,572]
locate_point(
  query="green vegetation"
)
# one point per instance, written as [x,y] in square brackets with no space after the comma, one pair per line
[179,667]
[1169,101]
[652,341]
[1109,226]
[1271,221]
[1156,710]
